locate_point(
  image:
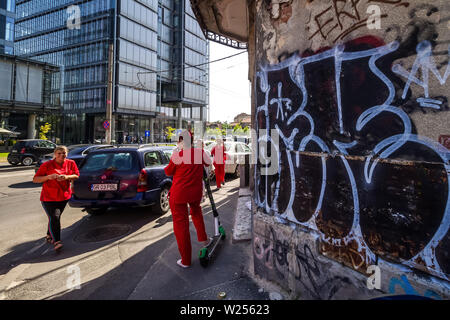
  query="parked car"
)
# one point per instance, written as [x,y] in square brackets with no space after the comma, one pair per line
[29,151]
[236,152]
[116,177]
[77,153]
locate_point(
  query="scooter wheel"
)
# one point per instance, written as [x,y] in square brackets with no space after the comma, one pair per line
[203,256]
[222,232]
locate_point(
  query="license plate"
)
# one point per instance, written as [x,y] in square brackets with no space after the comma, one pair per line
[13,151]
[104,187]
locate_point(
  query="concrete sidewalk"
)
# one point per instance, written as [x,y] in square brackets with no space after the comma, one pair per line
[140,265]
[228,273]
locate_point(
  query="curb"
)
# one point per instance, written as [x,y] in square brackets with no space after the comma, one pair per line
[242,229]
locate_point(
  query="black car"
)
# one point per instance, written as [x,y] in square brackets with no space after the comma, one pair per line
[123,177]
[77,153]
[29,151]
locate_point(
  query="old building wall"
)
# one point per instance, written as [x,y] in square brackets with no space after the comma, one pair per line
[351,102]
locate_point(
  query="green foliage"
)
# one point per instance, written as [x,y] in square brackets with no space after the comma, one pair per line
[169,132]
[44,130]
[214,132]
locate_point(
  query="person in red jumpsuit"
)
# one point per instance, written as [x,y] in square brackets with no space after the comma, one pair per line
[56,176]
[218,152]
[186,167]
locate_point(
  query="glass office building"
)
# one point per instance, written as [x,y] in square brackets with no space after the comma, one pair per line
[7,14]
[156,45]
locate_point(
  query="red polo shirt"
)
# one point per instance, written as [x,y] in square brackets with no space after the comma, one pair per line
[219,155]
[187,175]
[53,190]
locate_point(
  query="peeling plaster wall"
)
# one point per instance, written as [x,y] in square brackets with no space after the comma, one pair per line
[356,94]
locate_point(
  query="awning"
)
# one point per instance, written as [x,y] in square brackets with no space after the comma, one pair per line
[8,132]
[223,21]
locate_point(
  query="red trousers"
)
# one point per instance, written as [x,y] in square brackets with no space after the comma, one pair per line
[220,174]
[180,218]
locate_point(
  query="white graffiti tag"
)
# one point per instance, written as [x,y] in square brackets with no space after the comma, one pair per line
[383,150]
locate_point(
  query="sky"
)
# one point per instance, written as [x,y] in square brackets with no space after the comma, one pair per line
[229,85]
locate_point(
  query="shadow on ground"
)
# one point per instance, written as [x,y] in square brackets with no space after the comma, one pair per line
[25,185]
[38,250]
[153,274]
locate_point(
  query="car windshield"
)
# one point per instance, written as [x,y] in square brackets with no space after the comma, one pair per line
[76,150]
[123,161]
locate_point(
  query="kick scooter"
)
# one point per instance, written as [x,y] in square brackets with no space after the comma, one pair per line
[207,253]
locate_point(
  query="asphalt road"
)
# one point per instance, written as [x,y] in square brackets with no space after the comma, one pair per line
[121,254]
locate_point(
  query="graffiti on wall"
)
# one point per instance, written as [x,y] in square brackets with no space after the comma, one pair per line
[341,17]
[402,285]
[350,162]
[273,261]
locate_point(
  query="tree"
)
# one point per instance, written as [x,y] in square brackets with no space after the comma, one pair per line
[44,130]
[169,132]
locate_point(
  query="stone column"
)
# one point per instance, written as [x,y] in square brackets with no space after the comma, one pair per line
[180,122]
[152,126]
[31,126]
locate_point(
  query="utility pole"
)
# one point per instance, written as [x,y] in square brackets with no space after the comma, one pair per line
[109,94]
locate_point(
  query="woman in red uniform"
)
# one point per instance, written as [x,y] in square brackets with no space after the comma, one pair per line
[56,176]
[186,167]
[218,152]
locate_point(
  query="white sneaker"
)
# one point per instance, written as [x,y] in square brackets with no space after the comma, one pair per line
[181,265]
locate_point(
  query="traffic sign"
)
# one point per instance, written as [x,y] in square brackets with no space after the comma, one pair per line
[106,125]
[147,133]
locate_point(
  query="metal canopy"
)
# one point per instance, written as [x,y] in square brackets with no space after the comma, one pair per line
[223,21]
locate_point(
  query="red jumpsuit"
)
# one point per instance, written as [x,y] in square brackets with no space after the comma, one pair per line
[218,152]
[187,188]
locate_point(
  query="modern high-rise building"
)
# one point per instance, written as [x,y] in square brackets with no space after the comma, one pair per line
[7,26]
[158,64]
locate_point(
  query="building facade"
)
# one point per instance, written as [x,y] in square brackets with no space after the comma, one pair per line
[27,98]
[7,8]
[153,51]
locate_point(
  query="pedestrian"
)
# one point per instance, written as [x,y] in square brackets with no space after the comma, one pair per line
[186,166]
[56,176]
[219,156]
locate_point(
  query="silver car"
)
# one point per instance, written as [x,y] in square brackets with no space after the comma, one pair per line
[236,152]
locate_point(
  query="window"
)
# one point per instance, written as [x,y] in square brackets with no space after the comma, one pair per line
[168,154]
[10,5]
[116,161]
[9,35]
[152,158]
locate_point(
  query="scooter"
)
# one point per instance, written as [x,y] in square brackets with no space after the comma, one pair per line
[207,253]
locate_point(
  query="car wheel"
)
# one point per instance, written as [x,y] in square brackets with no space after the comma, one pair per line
[96,211]
[13,163]
[162,206]
[27,161]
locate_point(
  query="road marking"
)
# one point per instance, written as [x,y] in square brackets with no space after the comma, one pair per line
[36,248]
[9,280]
